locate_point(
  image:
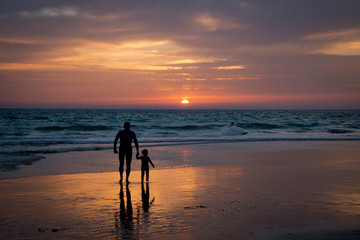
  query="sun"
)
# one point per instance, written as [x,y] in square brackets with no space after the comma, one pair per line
[185,101]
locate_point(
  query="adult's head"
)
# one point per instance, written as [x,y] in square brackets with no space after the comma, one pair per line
[126,125]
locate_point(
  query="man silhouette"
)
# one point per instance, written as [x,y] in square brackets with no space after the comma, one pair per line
[126,137]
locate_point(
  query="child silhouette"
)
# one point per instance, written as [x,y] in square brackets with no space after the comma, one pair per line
[145,160]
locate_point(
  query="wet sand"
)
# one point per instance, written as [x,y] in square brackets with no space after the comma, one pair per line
[302,192]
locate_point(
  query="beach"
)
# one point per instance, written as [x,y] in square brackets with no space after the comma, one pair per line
[248,110]
[262,190]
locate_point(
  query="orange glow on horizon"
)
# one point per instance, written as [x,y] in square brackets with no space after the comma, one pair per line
[185,101]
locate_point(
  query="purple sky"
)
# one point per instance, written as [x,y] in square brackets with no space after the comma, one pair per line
[216,54]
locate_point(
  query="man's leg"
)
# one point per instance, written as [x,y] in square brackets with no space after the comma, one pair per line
[121,166]
[128,164]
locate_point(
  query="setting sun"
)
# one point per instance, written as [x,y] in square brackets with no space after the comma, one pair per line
[185,101]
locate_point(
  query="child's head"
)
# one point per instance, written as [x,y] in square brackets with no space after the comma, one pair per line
[145,152]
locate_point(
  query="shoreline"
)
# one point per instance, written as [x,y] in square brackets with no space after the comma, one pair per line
[166,157]
[282,192]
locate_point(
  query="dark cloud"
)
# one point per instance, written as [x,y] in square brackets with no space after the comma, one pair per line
[263,22]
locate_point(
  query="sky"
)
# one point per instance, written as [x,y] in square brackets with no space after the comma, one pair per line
[157,53]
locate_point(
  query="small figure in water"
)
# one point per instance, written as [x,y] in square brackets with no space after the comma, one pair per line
[145,160]
[234,130]
[126,137]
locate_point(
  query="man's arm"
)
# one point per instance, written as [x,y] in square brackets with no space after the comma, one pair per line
[136,144]
[115,143]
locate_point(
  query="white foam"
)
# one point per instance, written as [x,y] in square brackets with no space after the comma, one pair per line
[233,130]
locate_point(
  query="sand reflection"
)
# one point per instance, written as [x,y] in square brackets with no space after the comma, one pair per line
[124,222]
[127,222]
[145,198]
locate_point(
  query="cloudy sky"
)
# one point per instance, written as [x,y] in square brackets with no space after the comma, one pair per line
[155,53]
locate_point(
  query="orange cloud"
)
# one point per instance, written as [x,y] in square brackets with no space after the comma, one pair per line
[209,22]
[334,34]
[340,49]
[229,67]
[35,67]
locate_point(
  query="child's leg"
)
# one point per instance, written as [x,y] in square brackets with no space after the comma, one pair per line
[147,174]
[142,175]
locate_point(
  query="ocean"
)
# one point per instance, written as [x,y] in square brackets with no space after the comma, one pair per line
[29,135]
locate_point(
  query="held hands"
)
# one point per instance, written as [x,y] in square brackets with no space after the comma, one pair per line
[115,151]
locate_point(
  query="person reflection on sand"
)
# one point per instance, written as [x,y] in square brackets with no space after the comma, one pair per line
[124,223]
[145,197]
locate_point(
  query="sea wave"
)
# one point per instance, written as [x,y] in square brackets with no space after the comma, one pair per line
[29,135]
[75,128]
[259,125]
[18,134]
[27,118]
[339,131]
[193,127]
[10,162]
[70,146]
[303,124]
[222,134]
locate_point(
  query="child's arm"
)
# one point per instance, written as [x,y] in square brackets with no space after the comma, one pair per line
[138,157]
[151,162]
